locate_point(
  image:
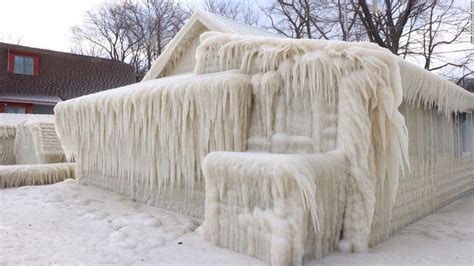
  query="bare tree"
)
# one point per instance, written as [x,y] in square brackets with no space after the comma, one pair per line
[137,31]
[10,39]
[386,21]
[107,29]
[244,11]
[285,19]
[153,23]
[442,24]
[134,32]
[314,19]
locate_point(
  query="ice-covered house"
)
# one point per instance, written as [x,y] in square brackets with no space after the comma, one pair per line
[285,149]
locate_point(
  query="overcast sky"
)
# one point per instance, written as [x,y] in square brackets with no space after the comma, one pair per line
[42,23]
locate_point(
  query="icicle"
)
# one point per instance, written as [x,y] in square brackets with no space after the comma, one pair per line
[161,131]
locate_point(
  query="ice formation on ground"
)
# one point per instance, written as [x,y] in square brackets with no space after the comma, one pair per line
[329,111]
[34,174]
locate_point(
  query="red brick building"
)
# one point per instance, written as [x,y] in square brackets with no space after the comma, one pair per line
[33,80]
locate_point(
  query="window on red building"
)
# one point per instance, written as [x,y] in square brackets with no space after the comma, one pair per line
[19,108]
[23,63]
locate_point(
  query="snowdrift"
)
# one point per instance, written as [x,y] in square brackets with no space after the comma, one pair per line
[300,145]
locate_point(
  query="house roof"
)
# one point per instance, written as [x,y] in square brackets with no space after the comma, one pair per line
[222,24]
[61,75]
[199,20]
[33,99]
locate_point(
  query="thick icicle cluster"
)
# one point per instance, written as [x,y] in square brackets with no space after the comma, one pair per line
[34,174]
[7,144]
[143,138]
[423,88]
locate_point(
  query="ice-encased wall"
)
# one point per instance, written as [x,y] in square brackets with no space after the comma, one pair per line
[440,171]
[147,140]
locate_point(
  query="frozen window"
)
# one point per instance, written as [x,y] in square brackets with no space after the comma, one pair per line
[466,133]
[444,128]
[17,110]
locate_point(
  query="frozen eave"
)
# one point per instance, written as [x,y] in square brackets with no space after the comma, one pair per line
[423,87]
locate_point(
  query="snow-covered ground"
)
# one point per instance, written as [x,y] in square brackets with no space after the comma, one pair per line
[68,223]
[445,237]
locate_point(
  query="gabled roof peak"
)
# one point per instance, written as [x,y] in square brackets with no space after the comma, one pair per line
[199,19]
